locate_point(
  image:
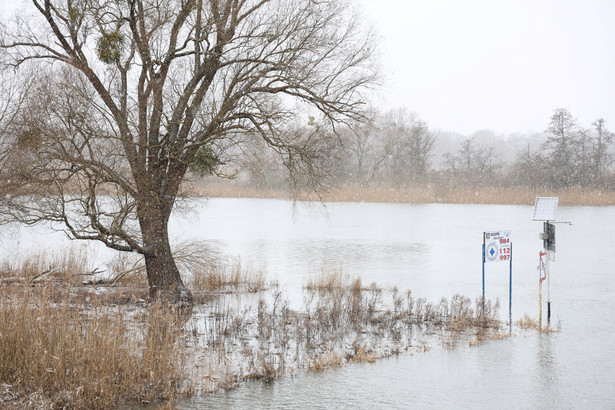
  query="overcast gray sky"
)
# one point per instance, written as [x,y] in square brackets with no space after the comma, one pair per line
[503,65]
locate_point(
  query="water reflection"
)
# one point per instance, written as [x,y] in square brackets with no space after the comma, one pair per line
[547,368]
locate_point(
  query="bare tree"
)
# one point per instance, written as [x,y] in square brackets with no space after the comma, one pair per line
[408,145]
[528,169]
[362,143]
[561,148]
[601,157]
[422,143]
[12,97]
[473,164]
[137,91]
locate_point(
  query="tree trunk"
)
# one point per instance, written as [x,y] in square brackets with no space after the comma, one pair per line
[162,274]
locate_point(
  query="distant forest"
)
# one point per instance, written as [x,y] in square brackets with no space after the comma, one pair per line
[396,148]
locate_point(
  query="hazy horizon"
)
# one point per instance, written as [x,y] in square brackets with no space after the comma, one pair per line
[502,66]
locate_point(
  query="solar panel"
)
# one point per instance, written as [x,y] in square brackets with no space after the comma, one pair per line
[545,208]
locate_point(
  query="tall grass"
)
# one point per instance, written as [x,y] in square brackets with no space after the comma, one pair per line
[66,347]
[333,279]
[526,322]
[204,268]
[438,192]
[236,277]
[92,356]
[433,193]
[67,266]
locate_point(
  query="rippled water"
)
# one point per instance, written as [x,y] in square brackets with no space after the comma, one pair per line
[435,250]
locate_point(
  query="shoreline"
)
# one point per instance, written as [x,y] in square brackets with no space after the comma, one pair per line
[427,194]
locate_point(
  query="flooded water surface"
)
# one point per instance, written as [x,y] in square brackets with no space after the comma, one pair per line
[435,251]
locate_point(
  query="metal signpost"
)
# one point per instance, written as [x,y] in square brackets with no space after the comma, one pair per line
[497,247]
[542,269]
[544,210]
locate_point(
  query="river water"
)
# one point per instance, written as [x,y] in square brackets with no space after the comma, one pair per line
[434,250]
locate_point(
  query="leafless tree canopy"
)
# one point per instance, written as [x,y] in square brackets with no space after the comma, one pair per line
[128,95]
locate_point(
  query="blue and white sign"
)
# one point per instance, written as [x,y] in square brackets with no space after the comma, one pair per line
[497,246]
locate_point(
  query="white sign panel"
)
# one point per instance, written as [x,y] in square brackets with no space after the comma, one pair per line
[497,246]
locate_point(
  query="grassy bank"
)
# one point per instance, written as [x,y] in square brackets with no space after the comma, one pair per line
[430,193]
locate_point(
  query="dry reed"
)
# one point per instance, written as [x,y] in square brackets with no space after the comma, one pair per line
[425,193]
[527,322]
[325,361]
[92,356]
[69,347]
[481,337]
[334,279]
[223,278]
[67,266]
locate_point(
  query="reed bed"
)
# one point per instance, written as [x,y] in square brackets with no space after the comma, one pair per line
[205,270]
[439,192]
[338,323]
[67,266]
[72,346]
[85,356]
[86,353]
[236,277]
[331,280]
[526,322]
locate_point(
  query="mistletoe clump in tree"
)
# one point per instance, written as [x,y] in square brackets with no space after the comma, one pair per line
[124,97]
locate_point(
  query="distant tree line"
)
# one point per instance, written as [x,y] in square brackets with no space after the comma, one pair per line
[571,156]
[396,148]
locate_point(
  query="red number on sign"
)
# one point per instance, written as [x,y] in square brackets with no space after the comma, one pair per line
[504,240]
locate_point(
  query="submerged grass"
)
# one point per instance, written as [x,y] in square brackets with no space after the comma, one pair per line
[526,322]
[325,361]
[332,280]
[223,278]
[64,346]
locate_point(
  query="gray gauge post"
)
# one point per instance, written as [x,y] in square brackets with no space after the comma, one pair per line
[545,209]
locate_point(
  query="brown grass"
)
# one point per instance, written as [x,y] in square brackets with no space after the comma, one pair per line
[91,356]
[466,195]
[221,188]
[330,280]
[234,278]
[482,337]
[204,270]
[67,266]
[427,193]
[363,355]
[325,361]
[78,347]
[527,322]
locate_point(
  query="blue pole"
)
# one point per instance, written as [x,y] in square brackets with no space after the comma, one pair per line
[483,273]
[510,290]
